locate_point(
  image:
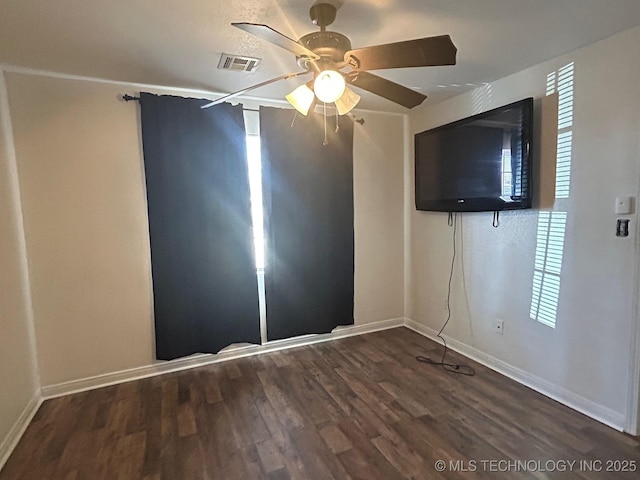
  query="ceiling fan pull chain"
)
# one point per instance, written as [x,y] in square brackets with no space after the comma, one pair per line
[326,141]
[293,120]
[337,121]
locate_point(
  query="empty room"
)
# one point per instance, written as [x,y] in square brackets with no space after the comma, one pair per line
[341,239]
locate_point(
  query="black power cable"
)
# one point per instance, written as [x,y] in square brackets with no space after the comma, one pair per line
[449,367]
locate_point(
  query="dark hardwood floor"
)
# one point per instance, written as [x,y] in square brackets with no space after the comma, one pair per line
[360,408]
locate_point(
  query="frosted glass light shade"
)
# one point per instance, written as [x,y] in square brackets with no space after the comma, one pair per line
[347,101]
[301,99]
[329,86]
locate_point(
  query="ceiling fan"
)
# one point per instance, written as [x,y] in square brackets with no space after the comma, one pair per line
[334,64]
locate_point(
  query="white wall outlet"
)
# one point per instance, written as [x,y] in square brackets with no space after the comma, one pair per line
[624,205]
[498,326]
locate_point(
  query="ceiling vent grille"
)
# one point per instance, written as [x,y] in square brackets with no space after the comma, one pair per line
[238,63]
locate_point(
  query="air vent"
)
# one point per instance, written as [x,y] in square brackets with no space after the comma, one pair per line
[238,63]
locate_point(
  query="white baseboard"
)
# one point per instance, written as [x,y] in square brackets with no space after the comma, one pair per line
[13,437]
[583,405]
[98,381]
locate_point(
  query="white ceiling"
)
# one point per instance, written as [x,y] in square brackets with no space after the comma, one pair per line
[178,43]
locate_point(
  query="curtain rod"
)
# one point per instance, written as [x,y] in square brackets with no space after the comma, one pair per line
[130,98]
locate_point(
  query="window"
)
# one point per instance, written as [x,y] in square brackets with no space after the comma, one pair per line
[507,187]
[255,186]
[254,165]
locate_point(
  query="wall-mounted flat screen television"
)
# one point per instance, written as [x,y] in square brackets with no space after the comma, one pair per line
[480,163]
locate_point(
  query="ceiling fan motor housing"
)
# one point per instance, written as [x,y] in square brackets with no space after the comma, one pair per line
[329,46]
[323,14]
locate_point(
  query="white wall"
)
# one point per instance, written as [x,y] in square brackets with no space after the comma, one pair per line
[18,376]
[82,184]
[378,215]
[585,360]
[86,226]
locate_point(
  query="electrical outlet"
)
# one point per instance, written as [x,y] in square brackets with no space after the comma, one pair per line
[498,326]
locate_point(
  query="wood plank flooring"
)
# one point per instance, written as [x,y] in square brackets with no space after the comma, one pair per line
[360,408]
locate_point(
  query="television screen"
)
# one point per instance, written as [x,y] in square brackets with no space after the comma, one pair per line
[480,163]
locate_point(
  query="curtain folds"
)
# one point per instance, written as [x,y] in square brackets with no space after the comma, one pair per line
[308,204]
[202,256]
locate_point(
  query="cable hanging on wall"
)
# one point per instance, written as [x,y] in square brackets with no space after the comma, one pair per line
[496,219]
[449,367]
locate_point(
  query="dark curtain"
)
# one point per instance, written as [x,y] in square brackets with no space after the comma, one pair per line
[204,277]
[308,196]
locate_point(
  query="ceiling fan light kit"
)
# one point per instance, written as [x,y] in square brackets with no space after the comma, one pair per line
[334,64]
[329,86]
[347,101]
[301,99]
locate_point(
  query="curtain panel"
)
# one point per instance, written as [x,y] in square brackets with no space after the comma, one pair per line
[308,205]
[202,256]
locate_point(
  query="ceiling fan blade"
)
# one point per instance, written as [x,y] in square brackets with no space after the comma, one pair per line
[386,88]
[422,52]
[253,87]
[270,35]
